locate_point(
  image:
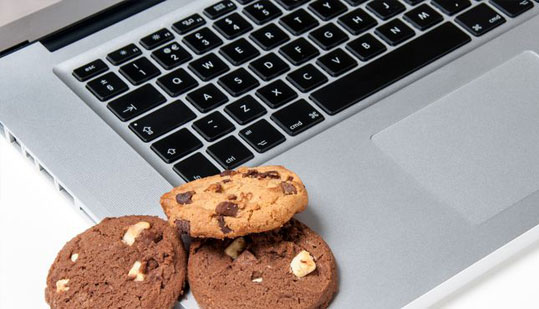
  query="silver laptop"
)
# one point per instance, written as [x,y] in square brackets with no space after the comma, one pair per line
[414,124]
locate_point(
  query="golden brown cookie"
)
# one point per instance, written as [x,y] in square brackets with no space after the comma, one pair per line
[236,203]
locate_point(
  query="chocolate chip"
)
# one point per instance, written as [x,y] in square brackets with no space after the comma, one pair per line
[257,174]
[288,188]
[225,229]
[184,226]
[185,198]
[250,173]
[216,187]
[232,197]
[151,264]
[226,180]
[289,178]
[227,209]
[227,173]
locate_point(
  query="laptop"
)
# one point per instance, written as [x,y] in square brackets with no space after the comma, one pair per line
[413,123]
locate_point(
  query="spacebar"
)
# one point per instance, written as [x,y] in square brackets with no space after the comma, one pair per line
[389,68]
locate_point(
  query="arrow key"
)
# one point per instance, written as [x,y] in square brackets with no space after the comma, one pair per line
[176,145]
[336,62]
[262,136]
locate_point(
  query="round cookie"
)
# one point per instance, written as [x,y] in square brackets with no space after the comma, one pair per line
[236,203]
[126,262]
[291,267]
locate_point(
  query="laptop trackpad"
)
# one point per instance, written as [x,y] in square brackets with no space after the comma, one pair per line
[476,149]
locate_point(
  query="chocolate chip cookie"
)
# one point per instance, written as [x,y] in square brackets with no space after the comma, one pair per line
[127,262]
[291,267]
[236,203]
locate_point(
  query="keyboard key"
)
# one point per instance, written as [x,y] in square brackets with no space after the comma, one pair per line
[162,121]
[219,9]
[262,136]
[355,2]
[423,17]
[213,126]
[208,67]
[90,70]
[136,102]
[413,2]
[451,7]
[171,55]
[157,38]
[299,22]
[124,54]
[292,4]
[480,19]
[389,68]
[513,8]
[195,167]
[207,98]
[230,153]
[297,117]
[327,9]
[177,82]
[276,94]
[299,51]
[245,109]
[307,78]
[336,62]
[385,9]
[366,47]
[269,66]
[328,36]
[239,51]
[107,86]
[244,2]
[176,145]
[188,24]
[269,37]
[395,32]
[238,82]
[262,11]
[232,26]
[139,71]
[202,41]
[357,21]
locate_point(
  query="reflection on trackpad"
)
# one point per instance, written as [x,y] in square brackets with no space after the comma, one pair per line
[476,149]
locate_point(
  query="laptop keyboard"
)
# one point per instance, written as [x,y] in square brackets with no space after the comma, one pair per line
[238,54]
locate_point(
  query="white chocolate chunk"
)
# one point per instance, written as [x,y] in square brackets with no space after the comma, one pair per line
[133,231]
[135,273]
[236,247]
[61,285]
[303,264]
[257,280]
[74,257]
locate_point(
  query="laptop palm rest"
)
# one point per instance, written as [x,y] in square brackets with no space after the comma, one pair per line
[476,149]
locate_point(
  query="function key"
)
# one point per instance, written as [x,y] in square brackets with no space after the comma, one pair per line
[238,82]
[171,55]
[219,9]
[292,4]
[195,167]
[245,109]
[385,9]
[269,66]
[423,17]
[307,78]
[189,23]
[239,51]
[357,21]
[395,32]
[299,22]
[276,94]
[90,70]
[480,19]
[328,36]
[299,51]
[297,117]
[107,86]
[232,26]
[157,38]
[230,152]
[262,136]
[513,8]
[177,82]
[136,102]
[213,126]
[202,40]
[366,47]
[262,11]
[176,145]
[269,37]
[207,98]
[336,62]
[124,54]
[208,67]
[452,7]
[327,9]
[139,71]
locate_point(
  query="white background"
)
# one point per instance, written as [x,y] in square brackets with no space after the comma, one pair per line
[36,221]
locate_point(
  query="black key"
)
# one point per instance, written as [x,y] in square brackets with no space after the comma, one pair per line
[276,94]
[480,19]
[299,22]
[451,7]
[307,78]
[292,4]
[124,54]
[176,145]
[423,17]
[355,2]
[157,38]
[269,37]
[297,117]
[328,36]
[513,8]
[171,55]
[413,2]
[195,167]
[385,9]
[207,98]
[299,51]
[230,153]
[389,68]
[366,47]
[208,67]
[327,9]
[177,82]
[90,70]
[245,109]
[219,9]
[139,71]
[269,66]
[162,121]
[107,86]
[188,24]
[357,21]
[232,26]
[202,41]
[336,62]
[262,136]
[244,1]
[136,102]
[213,126]
[395,32]
[262,11]
[239,51]
[238,82]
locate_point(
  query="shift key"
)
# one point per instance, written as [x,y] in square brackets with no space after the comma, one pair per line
[136,102]
[297,117]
